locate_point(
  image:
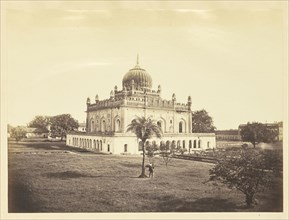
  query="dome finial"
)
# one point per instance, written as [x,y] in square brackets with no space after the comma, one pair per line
[137,60]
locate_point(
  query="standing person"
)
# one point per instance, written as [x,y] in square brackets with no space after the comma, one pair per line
[151,170]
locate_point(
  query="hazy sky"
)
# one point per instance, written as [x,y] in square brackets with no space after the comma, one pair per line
[228,56]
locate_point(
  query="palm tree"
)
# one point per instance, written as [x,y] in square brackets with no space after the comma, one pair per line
[144,128]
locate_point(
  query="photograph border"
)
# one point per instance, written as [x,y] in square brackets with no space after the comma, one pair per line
[212,215]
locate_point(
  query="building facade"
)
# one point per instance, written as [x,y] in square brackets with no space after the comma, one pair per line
[107,120]
[35,133]
[228,135]
[81,127]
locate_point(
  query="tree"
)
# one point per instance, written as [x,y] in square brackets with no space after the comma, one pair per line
[18,133]
[256,132]
[61,124]
[9,128]
[167,152]
[247,170]
[202,122]
[144,128]
[41,124]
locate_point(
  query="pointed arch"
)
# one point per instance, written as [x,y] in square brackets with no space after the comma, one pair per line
[182,126]
[140,145]
[100,143]
[102,124]
[117,125]
[195,143]
[161,122]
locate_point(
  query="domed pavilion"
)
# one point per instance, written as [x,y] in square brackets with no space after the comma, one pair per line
[107,119]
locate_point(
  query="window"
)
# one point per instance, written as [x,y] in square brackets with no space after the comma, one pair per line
[159,123]
[190,144]
[180,127]
[92,126]
[199,144]
[184,143]
[125,148]
[208,144]
[140,146]
[108,148]
[117,125]
[195,143]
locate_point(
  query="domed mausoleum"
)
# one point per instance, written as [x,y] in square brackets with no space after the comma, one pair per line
[107,119]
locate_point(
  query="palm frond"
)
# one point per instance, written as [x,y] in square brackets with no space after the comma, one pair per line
[144,128]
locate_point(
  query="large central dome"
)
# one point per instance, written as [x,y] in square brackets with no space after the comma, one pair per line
[137,77]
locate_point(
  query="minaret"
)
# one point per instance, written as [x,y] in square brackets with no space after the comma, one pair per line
[159,89]
[96,98]
[174,99]
[189,102]
[88,101]
[111,94]
[190,114]
[87,104]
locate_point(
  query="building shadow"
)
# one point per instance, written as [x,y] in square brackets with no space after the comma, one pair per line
[200,205]
[20,198]
[74,174]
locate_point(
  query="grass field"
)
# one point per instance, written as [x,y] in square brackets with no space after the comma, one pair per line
[50,177]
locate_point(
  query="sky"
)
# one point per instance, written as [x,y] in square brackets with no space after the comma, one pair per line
[230,57]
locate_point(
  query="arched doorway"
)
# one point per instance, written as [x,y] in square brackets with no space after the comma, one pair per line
[180,127]
[117,125]
[159,123]
[140,146]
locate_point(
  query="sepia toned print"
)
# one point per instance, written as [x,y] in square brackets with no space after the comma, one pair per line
[159,109]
